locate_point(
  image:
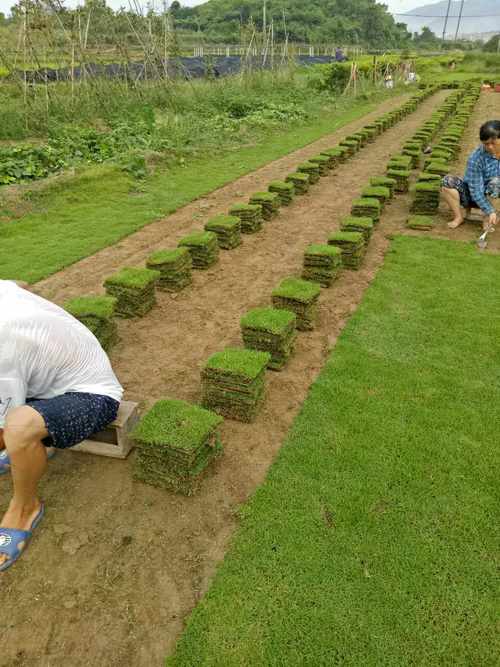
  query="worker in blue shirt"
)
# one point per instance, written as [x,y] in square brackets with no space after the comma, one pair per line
[481,182]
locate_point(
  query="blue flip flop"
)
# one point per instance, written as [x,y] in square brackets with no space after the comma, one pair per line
[11,539]
[5,460]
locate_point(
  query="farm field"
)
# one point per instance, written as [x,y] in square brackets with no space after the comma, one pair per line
[116,570]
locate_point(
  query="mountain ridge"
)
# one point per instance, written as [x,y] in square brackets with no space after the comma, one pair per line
[478,17]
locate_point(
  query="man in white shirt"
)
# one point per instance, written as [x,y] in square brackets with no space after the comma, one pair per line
[57,388]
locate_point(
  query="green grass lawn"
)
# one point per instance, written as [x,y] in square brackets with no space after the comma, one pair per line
[374,540]
[75,218]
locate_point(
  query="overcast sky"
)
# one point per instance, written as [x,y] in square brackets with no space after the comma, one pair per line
[394,5]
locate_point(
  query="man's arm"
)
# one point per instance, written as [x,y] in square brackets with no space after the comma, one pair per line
[475,180]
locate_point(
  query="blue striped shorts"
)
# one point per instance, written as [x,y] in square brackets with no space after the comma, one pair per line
[73,417]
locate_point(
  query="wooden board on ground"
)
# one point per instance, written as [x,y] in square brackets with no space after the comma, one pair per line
[114,440]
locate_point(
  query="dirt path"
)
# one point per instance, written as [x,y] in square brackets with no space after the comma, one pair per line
[118,565]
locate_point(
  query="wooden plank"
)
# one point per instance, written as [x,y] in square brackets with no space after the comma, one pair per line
[114,441]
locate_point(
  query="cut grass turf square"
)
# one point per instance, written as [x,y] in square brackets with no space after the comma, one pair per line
[361,225]
[385,182]
[228,230]
[300,297]
[311,169]
[323,161]
[174,267]
[377,192]
[284,190]
[203,248]
[97,314]
[270,330]
[402,178]
[176,443]
[233,383]
[134,290]
[250,216]
[322,264]
[300,182]
[352,245]
[270,203]
[367,207]
[421,222]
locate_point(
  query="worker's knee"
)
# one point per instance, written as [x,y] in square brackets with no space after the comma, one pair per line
[23,427]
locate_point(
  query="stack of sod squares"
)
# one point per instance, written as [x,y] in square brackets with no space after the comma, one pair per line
[250,216]
[366,207]
[97,314]
[227,228]
[176,442]
[385,182]
[427,196]
[323,162]
[311,169]
[270,202]
[300,297]
[233,383]
[203,248]
[284,190]
[322,264]
[300,182]
[362,225]
[134,289]
[379,192]
[352,245]
[174,267]
[270,330]
[401,176]
[420,222]
[334,155]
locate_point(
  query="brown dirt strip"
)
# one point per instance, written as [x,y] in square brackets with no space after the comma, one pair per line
[117,565]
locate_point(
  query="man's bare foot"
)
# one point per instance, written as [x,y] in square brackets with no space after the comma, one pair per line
[19,518]
[455,223]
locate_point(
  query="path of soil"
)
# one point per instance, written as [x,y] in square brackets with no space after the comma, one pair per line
[118,565]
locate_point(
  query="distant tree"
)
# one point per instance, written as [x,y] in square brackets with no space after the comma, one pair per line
[492,45]
[175,6]
[426,39]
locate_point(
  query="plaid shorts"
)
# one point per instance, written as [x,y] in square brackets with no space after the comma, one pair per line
[457,183]
[73,417]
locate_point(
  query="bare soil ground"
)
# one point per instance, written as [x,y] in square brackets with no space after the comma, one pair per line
[117,566]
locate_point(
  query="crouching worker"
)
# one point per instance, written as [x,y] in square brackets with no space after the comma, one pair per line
[481,180]
[57,388]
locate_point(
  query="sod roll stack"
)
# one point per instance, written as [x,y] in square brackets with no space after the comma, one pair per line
[203,248]
[97,313]
[134,290]
[385,182]
[176,442]
[174,267]
[233,383]
[270,330]
[250,216]
[322,264]
[323,162]
[270,203]
[227,228]
[379,192]
[300,297]
[352,245]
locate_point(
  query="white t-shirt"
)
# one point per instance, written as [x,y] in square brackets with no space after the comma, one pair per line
[45,352]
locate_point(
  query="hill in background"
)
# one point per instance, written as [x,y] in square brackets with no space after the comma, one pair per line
[344,21]
[478,17]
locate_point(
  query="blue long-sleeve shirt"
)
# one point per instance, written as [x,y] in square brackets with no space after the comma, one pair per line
[483,178]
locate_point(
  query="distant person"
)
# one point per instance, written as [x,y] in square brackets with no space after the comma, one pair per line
[340,57]
[481,181]
[388,81]
[57,388]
